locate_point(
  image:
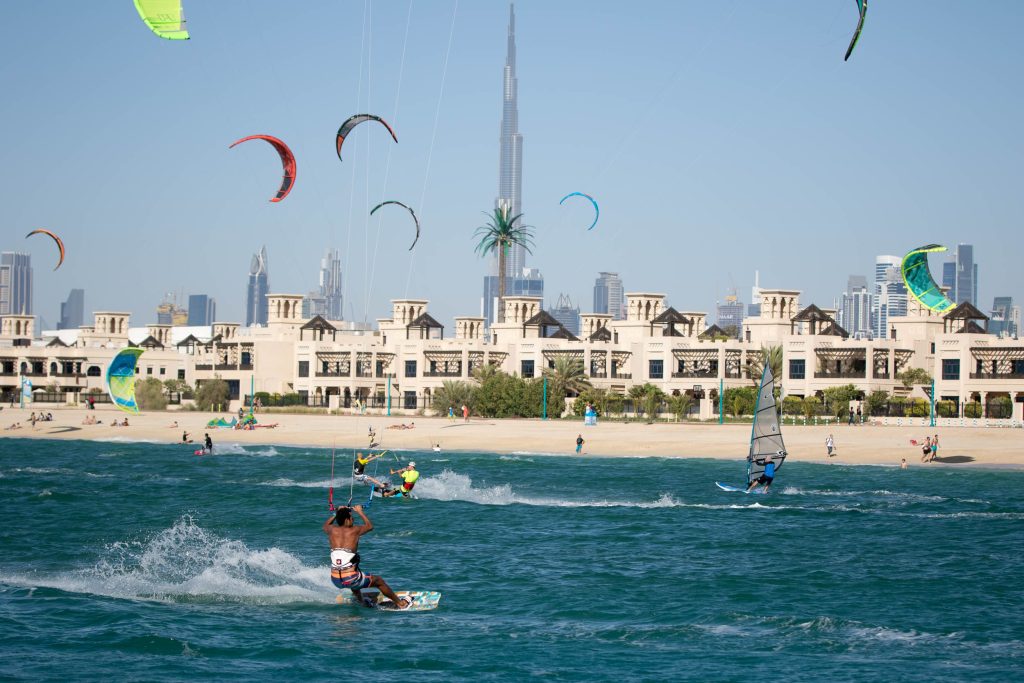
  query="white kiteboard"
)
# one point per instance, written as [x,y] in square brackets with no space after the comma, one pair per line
[729,487]
[421,600]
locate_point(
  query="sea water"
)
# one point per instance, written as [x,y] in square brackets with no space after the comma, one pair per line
[141,561]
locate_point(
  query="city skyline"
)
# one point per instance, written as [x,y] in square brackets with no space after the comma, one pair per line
[659,130]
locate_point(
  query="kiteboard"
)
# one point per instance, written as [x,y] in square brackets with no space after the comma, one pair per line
[421,600]
[202,451]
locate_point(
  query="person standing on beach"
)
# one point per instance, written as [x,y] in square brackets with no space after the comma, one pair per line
[344,537]
[830,445]
[373,438]
[935,447]
[451,413]
[579,443]
[926,449]
[465,413]
[859,415]
[850,421]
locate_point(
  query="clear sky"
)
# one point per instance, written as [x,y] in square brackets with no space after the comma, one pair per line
[720,137]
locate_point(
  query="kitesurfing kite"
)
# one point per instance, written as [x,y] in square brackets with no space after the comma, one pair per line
[287,161]
[919,280]
[862,8]
[59,241]
[353,121]
[411,213]
[121,379]
[165,18]
[597,211]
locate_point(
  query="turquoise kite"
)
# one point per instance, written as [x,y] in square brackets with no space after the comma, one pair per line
[597,211]
[121,379]
[862,8]
[919,280]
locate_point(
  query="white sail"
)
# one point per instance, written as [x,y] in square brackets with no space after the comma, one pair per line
[766,436]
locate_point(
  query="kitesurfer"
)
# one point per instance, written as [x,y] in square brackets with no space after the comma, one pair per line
[359,466]
[208,444]
[766,477]
[344,538]
[409,476]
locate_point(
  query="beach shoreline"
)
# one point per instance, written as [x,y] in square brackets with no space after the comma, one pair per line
[855,445]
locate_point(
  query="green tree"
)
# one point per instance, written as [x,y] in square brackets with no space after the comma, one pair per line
[792,405]
[566,378]
[972,409]
[499,235]
[837,399]
[652,400]
[503,395]
[149,393]
[680,405]
[212,394]
[453,393]
[914,376]
[636,395]
[482,373]
[876,401]
[811,406]
[739,400]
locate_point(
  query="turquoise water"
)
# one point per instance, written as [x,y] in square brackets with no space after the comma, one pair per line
[141,561]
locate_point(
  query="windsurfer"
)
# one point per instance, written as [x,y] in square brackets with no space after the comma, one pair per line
[766,477]
[344,538]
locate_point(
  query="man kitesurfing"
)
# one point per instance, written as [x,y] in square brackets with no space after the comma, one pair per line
[344,538]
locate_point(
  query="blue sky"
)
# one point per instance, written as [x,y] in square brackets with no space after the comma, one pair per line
[719,137]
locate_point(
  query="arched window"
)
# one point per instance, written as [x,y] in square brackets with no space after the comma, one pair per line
[94,371]
[53,368]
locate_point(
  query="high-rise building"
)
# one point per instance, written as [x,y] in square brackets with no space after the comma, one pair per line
[202,310]
[855,307]
[963,280]
[1005,318]
[754,309]
[169,312]
[609,296]
[567,314]
[510,156]
[330,286]
[15,283]
[730,313]
[72,311]
[530,284]
[890,294]
[257,290]
[520,279]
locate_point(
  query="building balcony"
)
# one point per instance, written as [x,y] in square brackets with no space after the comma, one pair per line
[598,375]
[441,373]
[622,375]
[994,375]
[334,374]
[245,366]
[702,374]
[204,366]
[851,374]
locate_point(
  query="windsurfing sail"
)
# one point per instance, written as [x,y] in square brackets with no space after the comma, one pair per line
[919,280]
[765,437]
[165,18]
[121,379]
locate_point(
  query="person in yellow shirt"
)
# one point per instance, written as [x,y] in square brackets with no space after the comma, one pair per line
[409,476]
[359,466]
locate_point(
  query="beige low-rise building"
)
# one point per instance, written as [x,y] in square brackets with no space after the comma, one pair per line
[398,366]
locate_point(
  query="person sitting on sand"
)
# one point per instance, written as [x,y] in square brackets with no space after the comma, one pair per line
[185,438]
[13,426]
[125,422]
[344,537]
[173,425]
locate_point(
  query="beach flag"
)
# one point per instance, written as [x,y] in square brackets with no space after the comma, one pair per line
[26,390]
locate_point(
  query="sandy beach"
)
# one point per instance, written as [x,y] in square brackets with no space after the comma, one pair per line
[863,444]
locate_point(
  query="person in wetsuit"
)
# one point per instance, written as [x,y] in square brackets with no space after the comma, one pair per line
[344,537]
[359,466]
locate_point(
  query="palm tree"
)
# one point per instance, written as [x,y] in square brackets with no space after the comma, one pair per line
[772,357]
[567,376]
[482,373]
[500,233]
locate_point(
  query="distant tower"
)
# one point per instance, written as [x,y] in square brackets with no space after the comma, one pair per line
[608,295]
[510,159]
[330,285]
[15,283]
[259,286]
[202,310]
[72,311]
[567,314]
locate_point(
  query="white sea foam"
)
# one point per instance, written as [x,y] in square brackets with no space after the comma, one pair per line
[187,563]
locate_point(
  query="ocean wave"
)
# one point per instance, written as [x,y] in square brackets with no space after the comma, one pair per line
[186,563]
[796,491]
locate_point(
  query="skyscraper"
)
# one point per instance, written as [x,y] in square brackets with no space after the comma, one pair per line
[330,285]
[256,293]
[890,294]
[1005,318]
[510,158]
[520,280]
[609,296]
[15,283]
[202,310]
[730,313]
[72,311]
[855,309]
[964,280]
[567,314]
